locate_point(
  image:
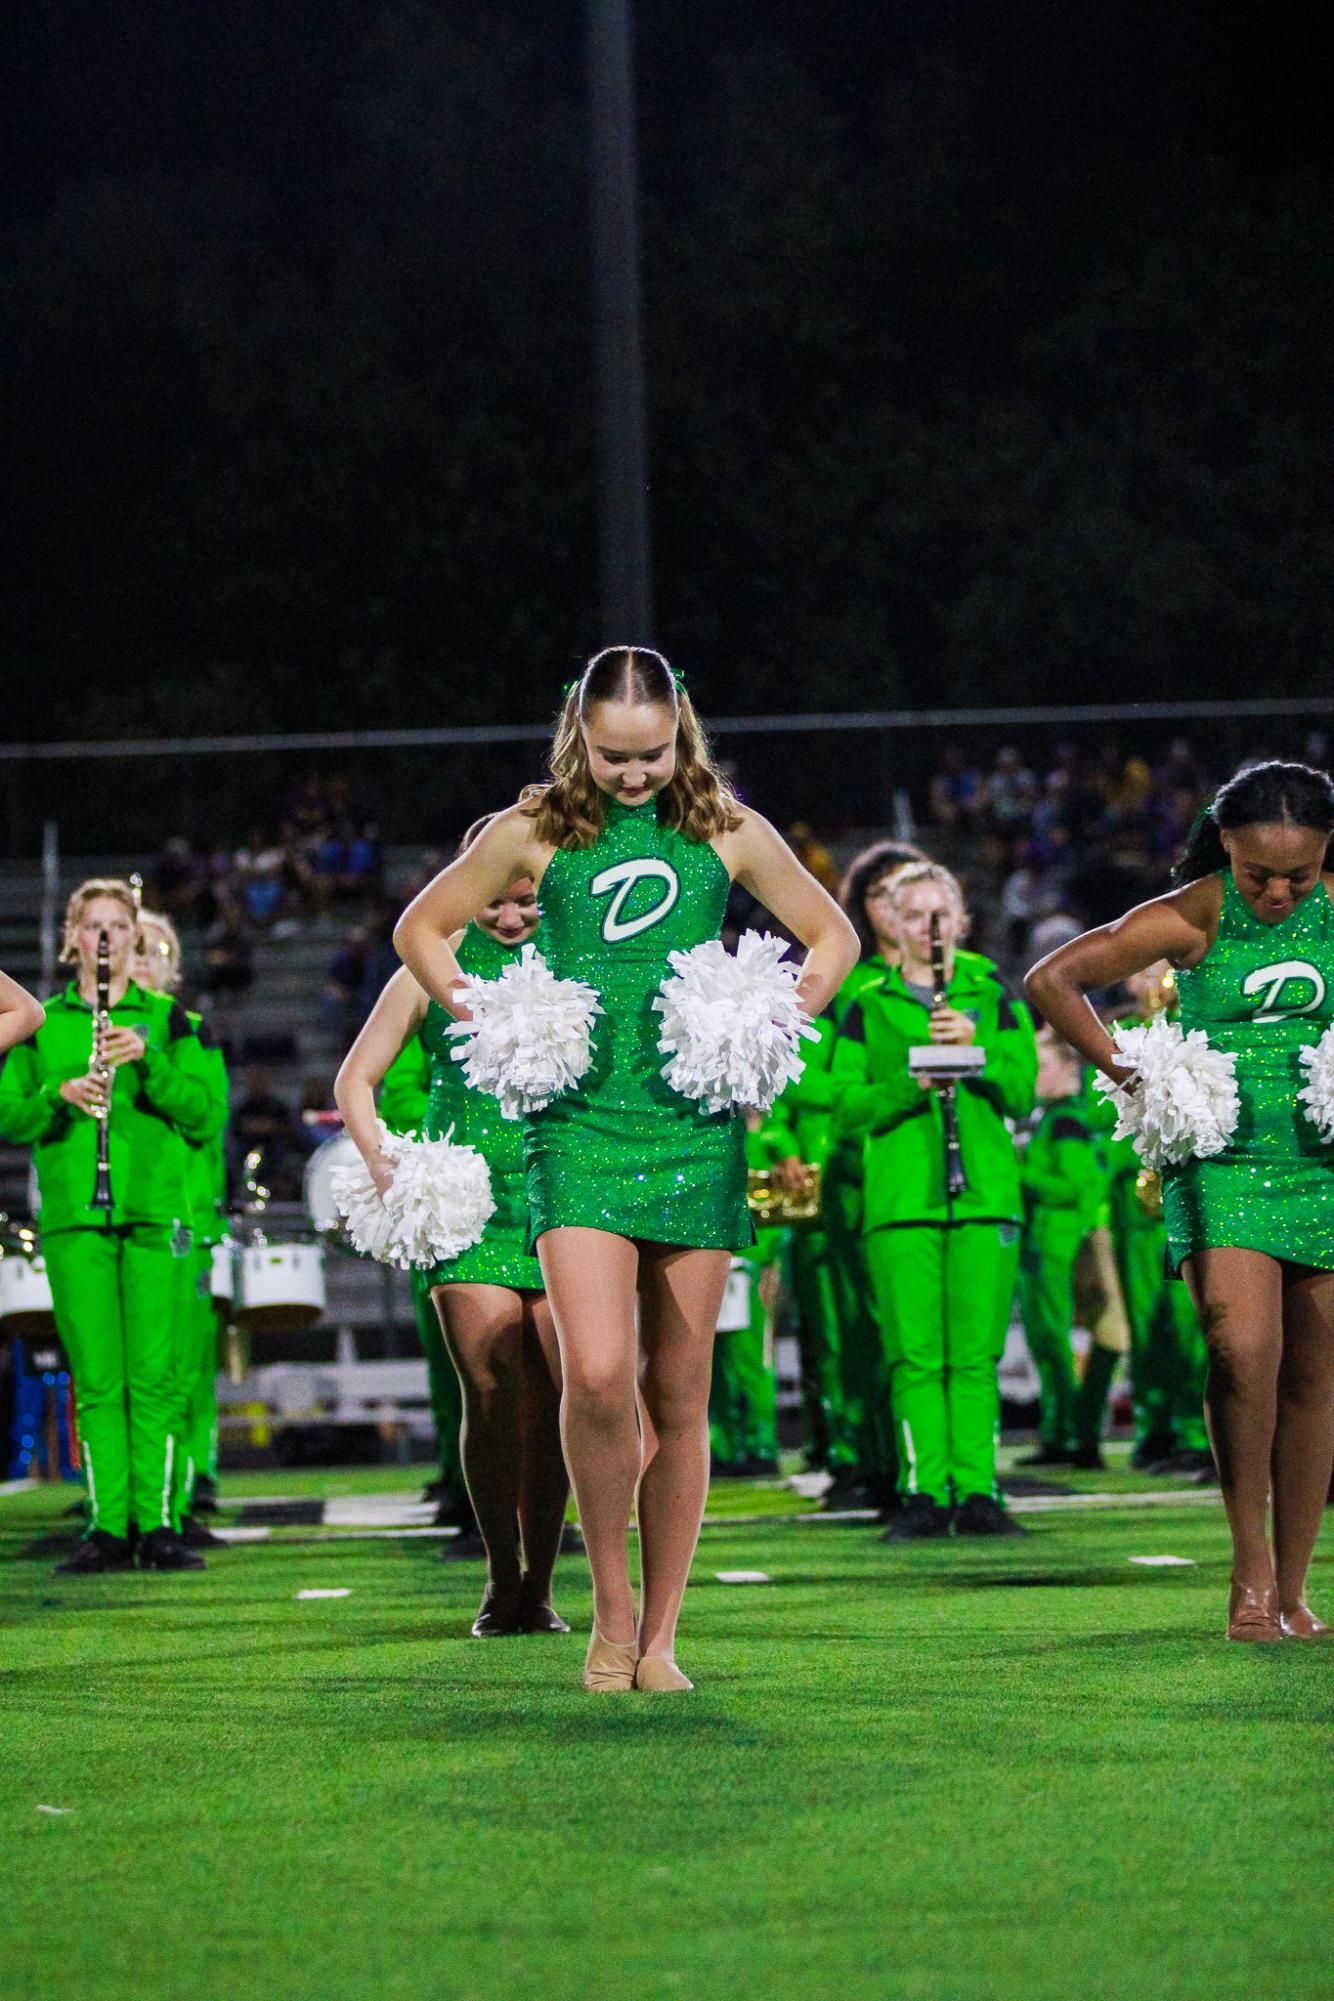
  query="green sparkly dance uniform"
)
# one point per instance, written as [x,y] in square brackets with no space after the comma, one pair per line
[1267,992]
[502,1257]
[624,1152]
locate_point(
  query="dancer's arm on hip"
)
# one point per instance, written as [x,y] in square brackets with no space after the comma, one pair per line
[1179,927]
[756,855]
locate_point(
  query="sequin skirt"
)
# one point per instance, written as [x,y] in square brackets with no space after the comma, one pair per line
[503,1256]
[627,1154]
[1271,1189]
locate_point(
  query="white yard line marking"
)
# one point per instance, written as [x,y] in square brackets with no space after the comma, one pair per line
[377,1511]
[19,1486]
[743,1577]
[1166,1562]
[340,1591]
[243,1535]
[55,1809]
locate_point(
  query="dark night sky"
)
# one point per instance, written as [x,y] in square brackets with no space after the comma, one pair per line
[259,86]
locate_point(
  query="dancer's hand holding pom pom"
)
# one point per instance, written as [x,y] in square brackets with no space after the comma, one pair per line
[1182,1102]
[732,1024]
[1317,1096]
[435,1208]
[529,1035]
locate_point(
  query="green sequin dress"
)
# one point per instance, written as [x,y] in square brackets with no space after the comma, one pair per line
[625,1152]
[1267,992]
[502,1257]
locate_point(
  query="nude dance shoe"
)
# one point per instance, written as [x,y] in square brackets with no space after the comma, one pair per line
[1301,1624]
[659,1676]
[1252,1615]
[609,1669]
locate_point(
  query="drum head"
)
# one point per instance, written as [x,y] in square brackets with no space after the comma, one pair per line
[318,1190]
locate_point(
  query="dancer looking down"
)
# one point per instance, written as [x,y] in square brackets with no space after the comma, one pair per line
[493,1313]
[636,1192]
[1250,931]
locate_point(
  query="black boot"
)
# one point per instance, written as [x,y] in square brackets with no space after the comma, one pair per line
[98,1552]
[163,1549]
[981,1514]
[920,1519]
[195,1536]
[205,1500]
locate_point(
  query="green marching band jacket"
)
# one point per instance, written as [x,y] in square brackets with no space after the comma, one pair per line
[802,1121]
[901,1122]
[1063,1171]
[173,1099]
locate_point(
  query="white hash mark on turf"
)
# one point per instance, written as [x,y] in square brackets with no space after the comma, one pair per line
[1166,1562]
[342,1591]
[743,1577]
[55,1809]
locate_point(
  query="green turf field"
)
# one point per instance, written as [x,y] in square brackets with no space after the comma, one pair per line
[1023,1771]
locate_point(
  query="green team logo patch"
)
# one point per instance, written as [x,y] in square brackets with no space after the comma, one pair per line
[642,892]
[1289,986]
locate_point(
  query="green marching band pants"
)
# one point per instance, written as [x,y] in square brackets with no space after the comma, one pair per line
[1167,1357]
[1071,1410]
[743,1396]
[197,1361]
[866,1425]
[116,1292]
[943,1295]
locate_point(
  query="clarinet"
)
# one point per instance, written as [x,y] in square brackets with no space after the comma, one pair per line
[101,1069]
[956,1181]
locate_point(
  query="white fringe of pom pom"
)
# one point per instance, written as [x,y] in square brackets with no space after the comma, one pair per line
[1317,1096]
[530,1036]
[438,1204]
[732,1026]
[1184,1104]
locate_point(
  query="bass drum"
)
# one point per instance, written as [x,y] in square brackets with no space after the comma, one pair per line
[341,1151]
[278,1287]
[26,1311]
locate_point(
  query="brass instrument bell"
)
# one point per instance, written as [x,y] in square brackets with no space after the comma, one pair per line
[770,1201]
[1149,1192]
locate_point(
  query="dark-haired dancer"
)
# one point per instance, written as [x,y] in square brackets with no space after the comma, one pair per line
[1250,929]
[634,1190]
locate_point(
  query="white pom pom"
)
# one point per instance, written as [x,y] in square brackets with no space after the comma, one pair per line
[1317,1096]
[1185,1101]
[437,1207]
[530,1036]
[732,1026]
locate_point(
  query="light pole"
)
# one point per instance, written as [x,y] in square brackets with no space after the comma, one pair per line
[625,588]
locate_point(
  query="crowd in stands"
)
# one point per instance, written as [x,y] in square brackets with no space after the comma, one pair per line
[1038,840]
[279,883]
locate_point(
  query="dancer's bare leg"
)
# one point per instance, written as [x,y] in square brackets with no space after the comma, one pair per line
[681,1292]
[590,1278]
[1304,1441]
[544,1484]
[483,1329]
[1239,1297]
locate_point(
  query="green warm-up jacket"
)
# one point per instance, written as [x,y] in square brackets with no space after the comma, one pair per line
[802,1121]
[877,1098]
[174,1095]
[406,1087]
[1062,1170]
[206,1159]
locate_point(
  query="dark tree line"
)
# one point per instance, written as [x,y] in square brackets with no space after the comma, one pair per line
[924,427]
